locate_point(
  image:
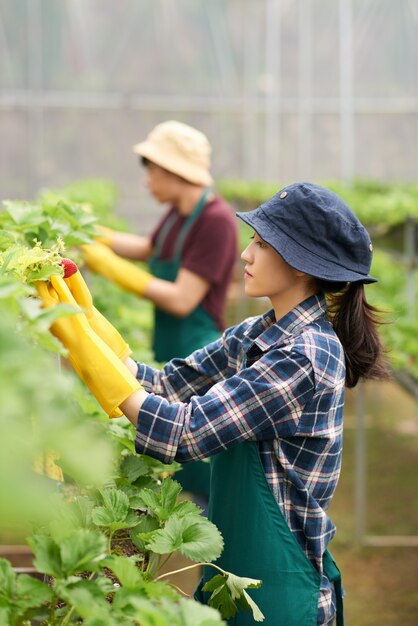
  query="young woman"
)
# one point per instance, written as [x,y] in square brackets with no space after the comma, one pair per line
[265,401]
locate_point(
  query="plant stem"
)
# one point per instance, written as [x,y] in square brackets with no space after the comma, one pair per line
[183,569]
[179,590]
[161,565]
[151,560]
[109,544]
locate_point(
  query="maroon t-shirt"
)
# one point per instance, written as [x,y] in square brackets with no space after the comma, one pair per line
[209,250]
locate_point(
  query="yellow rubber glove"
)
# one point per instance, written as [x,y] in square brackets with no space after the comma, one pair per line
[97,321]
[104,261]
[105,235]
[46,465]
[97,365]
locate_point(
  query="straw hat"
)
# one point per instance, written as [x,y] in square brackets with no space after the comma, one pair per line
[180,149]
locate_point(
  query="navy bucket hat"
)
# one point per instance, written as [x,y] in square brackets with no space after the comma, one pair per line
[315,232]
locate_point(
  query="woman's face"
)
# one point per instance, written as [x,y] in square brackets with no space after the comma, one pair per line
[267,274]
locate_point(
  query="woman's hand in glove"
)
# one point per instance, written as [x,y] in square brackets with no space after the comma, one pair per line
[101,370]
[97,321]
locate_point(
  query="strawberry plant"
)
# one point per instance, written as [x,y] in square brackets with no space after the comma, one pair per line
[101,535]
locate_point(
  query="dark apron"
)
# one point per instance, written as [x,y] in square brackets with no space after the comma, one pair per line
[174,336]
[259,544]
[179,337]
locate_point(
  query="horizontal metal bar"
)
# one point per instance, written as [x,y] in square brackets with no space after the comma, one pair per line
[24,98]
[391,541]
[14,549]
[26,570]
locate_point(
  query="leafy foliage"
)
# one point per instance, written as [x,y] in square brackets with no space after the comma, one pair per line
[229,593]
[100,537]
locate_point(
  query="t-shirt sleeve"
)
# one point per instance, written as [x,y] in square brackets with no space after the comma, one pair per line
[211,247]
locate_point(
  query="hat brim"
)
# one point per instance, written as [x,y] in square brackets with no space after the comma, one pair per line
[296,255]
[174,163]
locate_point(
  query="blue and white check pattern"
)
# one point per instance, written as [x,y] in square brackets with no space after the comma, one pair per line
[278,383]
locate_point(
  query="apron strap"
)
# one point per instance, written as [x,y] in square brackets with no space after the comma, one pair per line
[333,574]
[189,223]
[163,234]
[183,233]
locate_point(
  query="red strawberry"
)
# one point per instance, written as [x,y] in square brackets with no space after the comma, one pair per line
[70,267]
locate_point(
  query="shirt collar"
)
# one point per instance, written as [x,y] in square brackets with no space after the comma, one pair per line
[264,332]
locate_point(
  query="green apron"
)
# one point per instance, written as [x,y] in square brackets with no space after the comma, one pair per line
[174,336]
[259,544]
[179,337]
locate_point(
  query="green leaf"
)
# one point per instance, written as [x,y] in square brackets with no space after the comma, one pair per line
[116,502]
[202,541]
[149,499]
[141,610]
[79,551]
[24,213]
[257,614]
[103,620]
[133,466]
[221,597]
[116,512]
[237,584]
[195,614]
[170,490]
[7,578]
[106,519]
[168,539]
[182,509]
[229,588]
[5,616]
[71,516]
[161,502]
[143,531]
[122,435]
[125,571]
[47,555]
[31,592]
[194,536]
[82,550]
[87,597]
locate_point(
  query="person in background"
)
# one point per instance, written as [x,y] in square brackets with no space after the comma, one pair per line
[191,253]
[265,402]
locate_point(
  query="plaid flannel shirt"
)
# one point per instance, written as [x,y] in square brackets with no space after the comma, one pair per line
[278,383]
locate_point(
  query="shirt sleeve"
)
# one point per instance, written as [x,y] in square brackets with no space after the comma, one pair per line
[261,402]
[181,379]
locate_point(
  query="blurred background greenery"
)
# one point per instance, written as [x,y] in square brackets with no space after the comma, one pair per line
[285,90]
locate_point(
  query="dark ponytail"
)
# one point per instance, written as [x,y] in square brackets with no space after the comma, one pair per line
[355,322]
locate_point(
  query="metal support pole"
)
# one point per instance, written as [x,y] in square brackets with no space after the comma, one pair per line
[272,90]
[411,266]
[250,132]
[34,89]
[305,90]
[346,90]
[360,466]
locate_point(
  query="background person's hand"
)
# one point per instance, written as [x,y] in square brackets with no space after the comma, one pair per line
[105,235]
[102,260]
